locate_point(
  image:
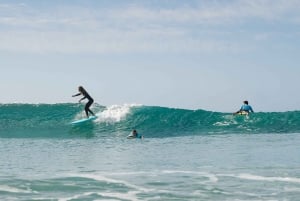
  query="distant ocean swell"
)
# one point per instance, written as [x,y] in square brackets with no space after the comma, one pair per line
[53,120]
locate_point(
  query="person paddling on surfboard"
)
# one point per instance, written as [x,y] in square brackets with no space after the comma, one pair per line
[245,109]
[85,94]
[134,134]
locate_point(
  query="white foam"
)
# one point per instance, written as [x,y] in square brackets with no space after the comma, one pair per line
[74,197]
[109,180]
[115,113]
[129,173]
[131,195]
[227,121]
[222,124]
[271,179]
[13,189]
[262,178]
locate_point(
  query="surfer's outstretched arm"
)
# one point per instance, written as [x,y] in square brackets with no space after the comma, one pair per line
[82,98]
[76,95]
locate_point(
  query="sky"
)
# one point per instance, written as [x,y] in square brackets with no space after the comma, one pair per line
[193,54]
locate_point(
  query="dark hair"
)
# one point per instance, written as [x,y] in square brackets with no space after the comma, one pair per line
[81,89]
[246,102]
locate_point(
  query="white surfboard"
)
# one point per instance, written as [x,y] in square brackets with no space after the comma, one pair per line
[130,136]
[91,118]
[243,113]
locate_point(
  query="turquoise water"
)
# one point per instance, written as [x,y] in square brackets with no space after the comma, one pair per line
[185,155]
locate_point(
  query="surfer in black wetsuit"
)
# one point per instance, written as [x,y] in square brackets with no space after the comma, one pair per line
[85,94]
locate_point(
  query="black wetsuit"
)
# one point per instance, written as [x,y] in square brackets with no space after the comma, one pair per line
[89,103]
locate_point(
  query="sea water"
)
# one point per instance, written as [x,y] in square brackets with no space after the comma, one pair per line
[185,154]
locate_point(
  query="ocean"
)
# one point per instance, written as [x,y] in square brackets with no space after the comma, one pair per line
[185,154]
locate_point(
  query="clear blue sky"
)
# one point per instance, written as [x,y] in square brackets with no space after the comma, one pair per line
[205,54]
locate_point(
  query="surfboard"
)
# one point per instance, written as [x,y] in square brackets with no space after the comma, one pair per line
[131,136]
[242,113]
[91,118]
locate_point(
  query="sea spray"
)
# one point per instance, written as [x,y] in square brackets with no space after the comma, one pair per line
[115,113]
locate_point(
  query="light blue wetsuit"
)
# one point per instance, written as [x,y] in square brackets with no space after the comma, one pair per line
[139,136]
[246,108]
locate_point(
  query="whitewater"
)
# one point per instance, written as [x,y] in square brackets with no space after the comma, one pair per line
[185,154]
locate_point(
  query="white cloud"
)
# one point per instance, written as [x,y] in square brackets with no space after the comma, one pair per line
[206,12]
[212,12]
[107,42]
[134,28]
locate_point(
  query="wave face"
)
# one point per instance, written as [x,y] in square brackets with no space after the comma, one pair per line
[53,120]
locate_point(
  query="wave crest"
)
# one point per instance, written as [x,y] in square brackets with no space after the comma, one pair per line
[19,120]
